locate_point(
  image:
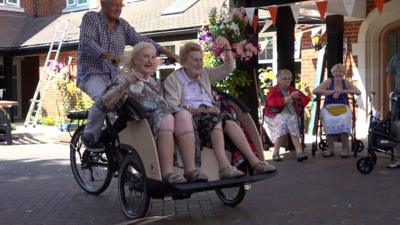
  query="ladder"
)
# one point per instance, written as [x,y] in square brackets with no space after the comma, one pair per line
[47,75]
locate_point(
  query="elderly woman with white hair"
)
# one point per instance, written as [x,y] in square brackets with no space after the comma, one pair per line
[166,122]
[336,113]
[190,87]
[283,103]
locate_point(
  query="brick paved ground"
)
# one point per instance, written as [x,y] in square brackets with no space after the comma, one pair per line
[37,187]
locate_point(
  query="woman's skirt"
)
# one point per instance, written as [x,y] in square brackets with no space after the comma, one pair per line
[280,125]
[155,117]
[336,124]
[205,123]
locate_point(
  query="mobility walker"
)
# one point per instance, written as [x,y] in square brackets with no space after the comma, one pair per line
[383,136]
[357,146]
[130,154]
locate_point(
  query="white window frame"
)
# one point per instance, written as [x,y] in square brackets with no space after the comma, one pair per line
[6,5]
[70,5]
[76,6]
[82,4]
[12,3]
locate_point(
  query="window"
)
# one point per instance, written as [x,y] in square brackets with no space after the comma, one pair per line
[77,3]
[171,48]
[11,3]
[179,6]
[268,44]
[70,2]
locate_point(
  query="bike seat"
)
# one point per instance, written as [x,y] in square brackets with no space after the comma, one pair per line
[78,115]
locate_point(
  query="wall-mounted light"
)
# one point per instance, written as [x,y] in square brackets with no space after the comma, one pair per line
[316,41]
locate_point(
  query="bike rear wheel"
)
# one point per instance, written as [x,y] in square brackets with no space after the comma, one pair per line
[91,170]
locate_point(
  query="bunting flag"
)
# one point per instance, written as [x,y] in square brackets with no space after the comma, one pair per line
[250,14]
[322,6]
[295,11]
[255,23]
[379,5]
[273,11]
[267,24]
[349,6]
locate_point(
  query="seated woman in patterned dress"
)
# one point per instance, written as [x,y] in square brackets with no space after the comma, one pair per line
[339,123]
[190,87]
[165,121]
[283,103]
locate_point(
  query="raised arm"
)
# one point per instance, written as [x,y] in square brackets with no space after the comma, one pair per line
[221,72]
[132,38]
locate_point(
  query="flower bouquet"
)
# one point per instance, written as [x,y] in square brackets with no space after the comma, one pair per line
[234,25]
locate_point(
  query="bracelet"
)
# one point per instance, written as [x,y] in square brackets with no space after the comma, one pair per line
[227,49]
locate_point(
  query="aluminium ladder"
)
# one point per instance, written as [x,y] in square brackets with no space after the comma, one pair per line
[47,75]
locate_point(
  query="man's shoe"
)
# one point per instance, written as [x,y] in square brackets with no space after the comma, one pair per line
[91,145]
[394,164]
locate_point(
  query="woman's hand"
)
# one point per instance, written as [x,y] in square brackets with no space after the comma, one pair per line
[222,42]
[295,95]
[336,94]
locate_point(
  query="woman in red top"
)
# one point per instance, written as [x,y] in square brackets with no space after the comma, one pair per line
[283,103]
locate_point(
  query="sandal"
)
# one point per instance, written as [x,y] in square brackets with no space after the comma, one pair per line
[263,167]
[230,172]
[301,157]
[344,154]
[195,176]
[276,157]
[327,154]
[174,178]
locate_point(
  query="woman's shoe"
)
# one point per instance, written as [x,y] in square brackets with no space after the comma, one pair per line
[174,178]
[276,157]
[230,172]
[344,154]
[301,157]
[195,176]
[327,154]
[263,167]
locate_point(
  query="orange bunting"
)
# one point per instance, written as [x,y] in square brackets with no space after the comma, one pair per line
[379,5]
[322,6]
[273,11]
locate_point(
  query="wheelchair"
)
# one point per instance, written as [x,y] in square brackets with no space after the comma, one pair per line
[383,136]
[130,154]
[357,145]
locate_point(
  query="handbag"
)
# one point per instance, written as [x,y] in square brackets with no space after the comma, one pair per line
[336,109]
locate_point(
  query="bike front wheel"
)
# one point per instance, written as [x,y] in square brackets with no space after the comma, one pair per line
[91,170]
[132,188]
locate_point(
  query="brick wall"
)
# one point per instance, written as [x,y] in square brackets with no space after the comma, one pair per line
[43,7]
[308,60]
[52,105]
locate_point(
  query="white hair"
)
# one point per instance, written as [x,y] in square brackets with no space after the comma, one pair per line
[106,1]
[283,71]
